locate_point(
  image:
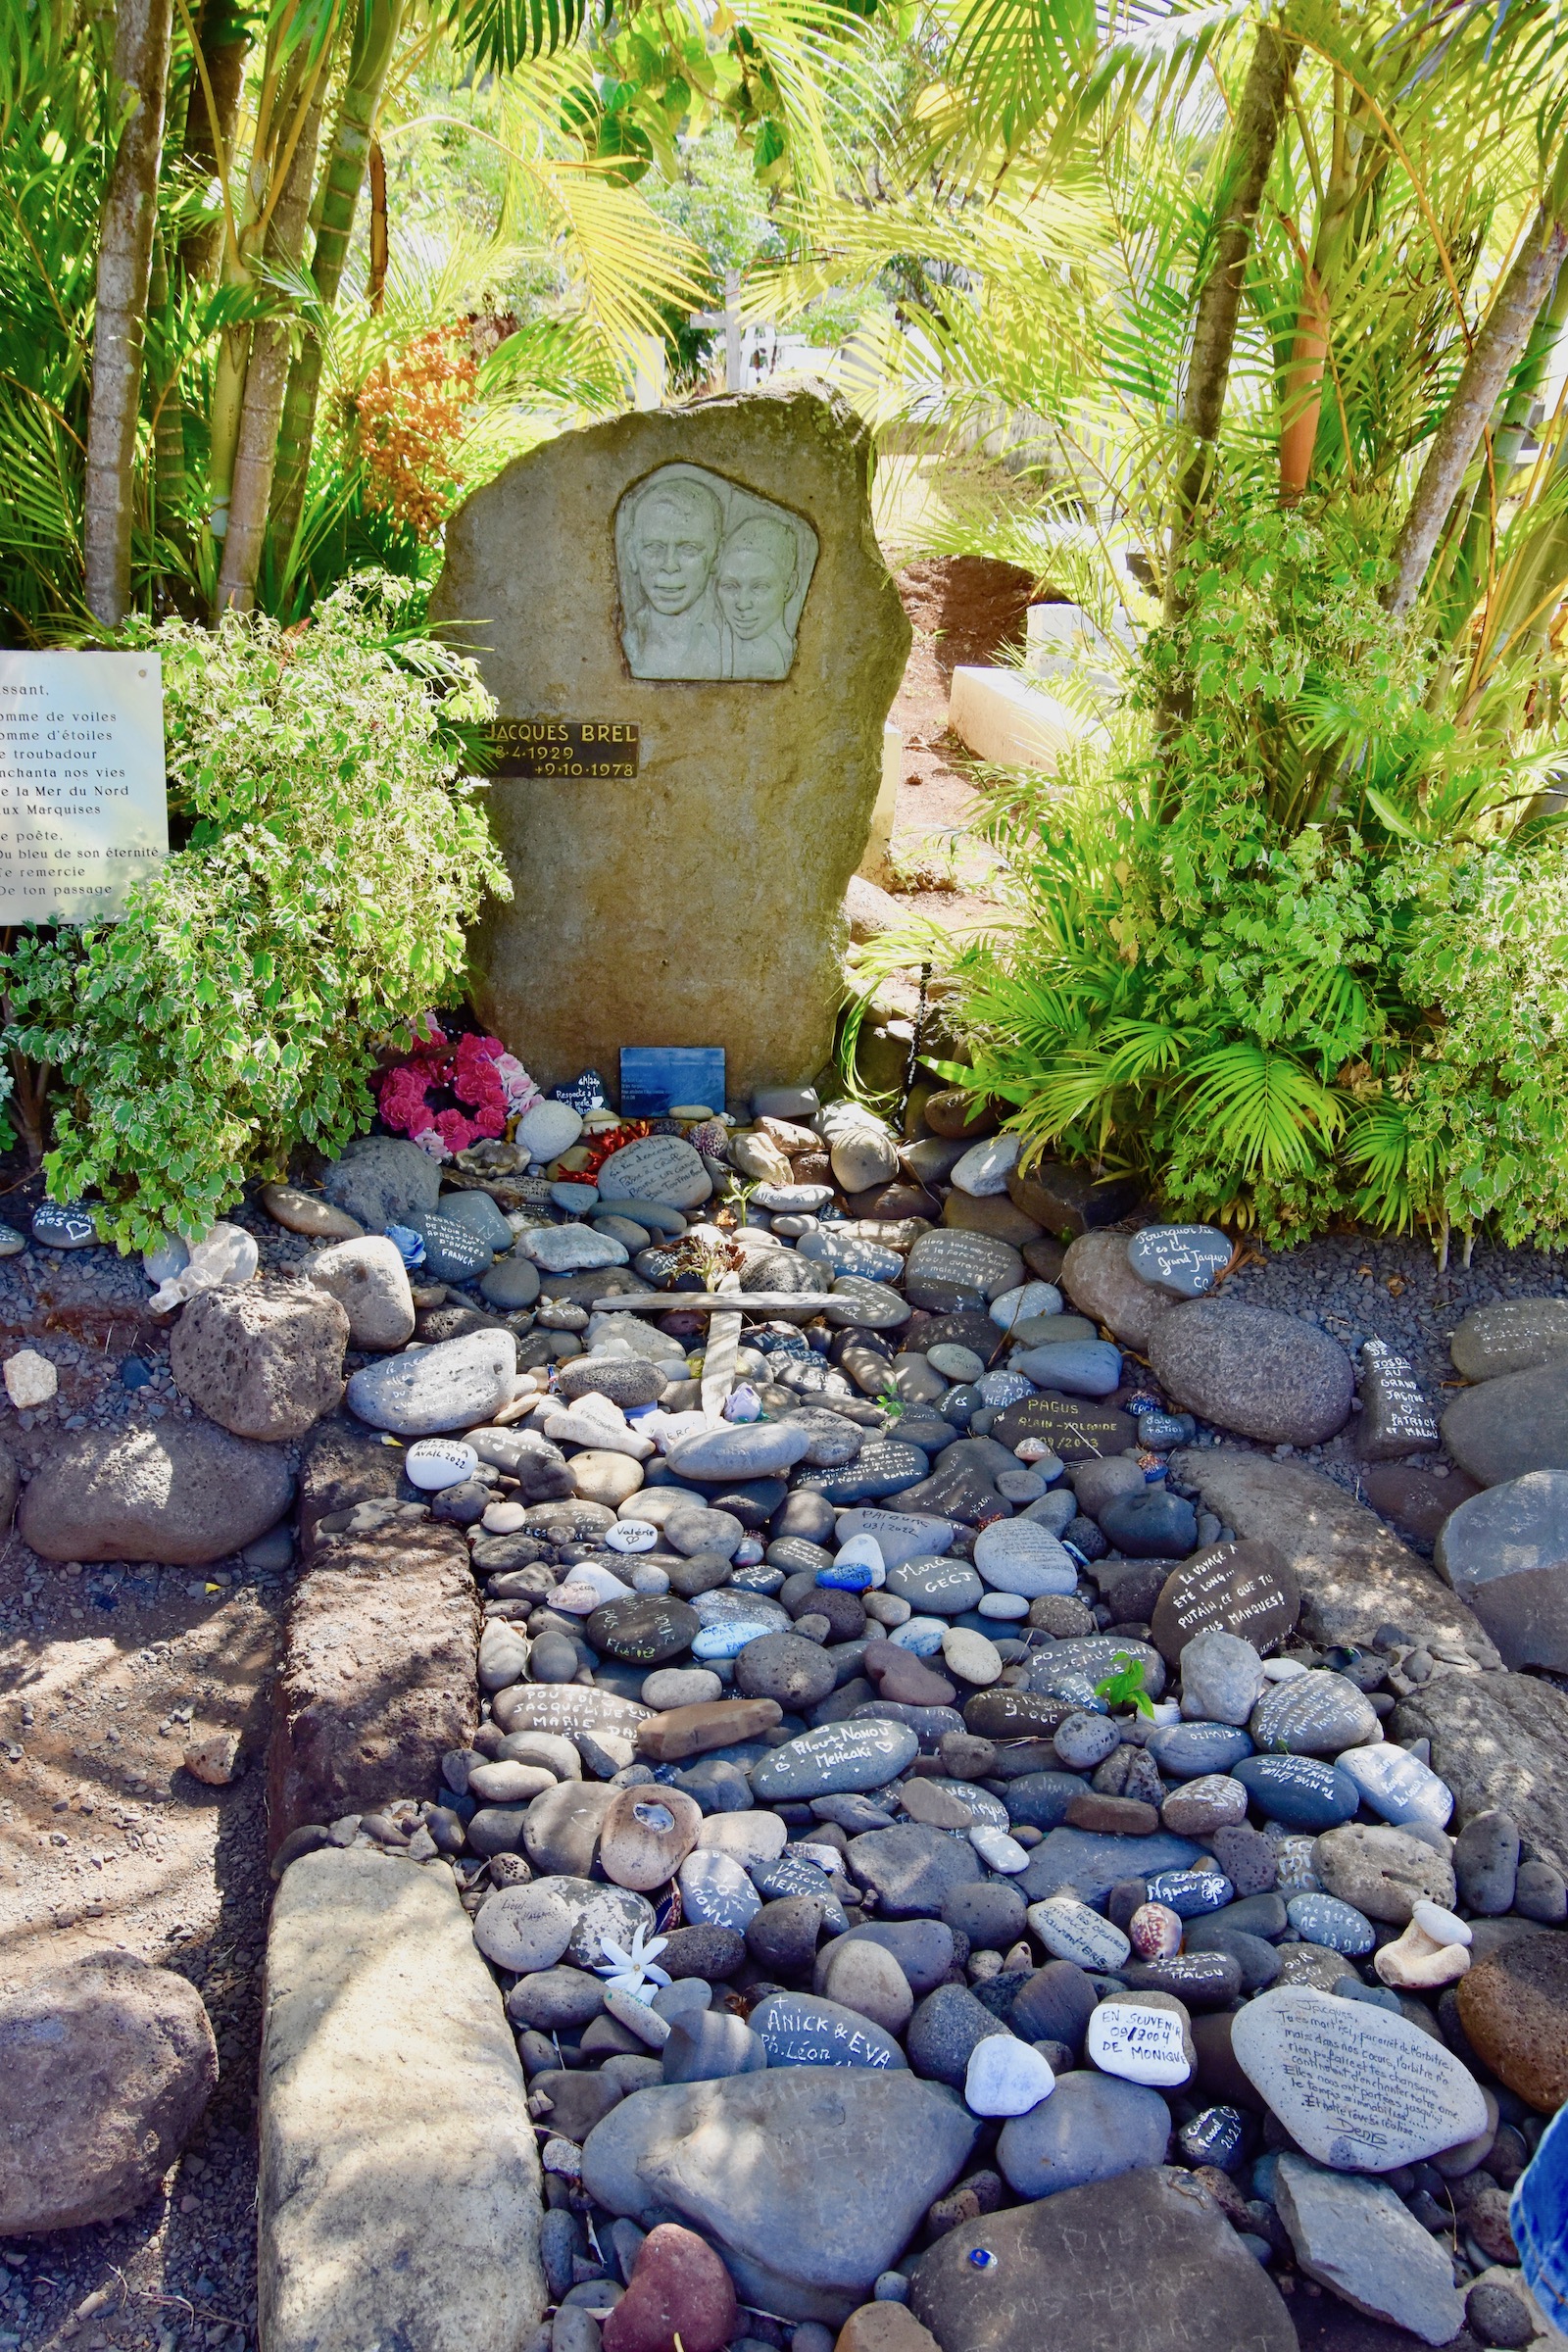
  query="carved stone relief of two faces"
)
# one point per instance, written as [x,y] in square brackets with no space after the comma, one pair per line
[712,577]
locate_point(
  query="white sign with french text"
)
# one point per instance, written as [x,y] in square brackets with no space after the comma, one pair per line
[84,803]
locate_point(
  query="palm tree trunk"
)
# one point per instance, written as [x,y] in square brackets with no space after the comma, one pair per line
[1247,168]
[265,379]
[169,415]
[225,45]
[1499,345]
[375,39]
[142,33]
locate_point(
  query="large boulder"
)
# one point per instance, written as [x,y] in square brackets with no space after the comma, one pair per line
[1498,1741]
[811,2180]
[106,2066]
[759,753]
[379,1675]
[1147,2260]
[183,1492]
[1099,1281]
[399,2183]
[382,1181]
[456,1384]
[1248,1368]
[1354,1575]
[1507,1427]
[264,1359]
[370,1283]
[1505,1551]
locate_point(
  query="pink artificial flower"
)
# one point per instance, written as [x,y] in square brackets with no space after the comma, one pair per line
[402,1102]
[522,1092]
[455,1131]
[429,1141]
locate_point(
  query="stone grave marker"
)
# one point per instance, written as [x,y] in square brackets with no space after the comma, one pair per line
[708,575]
[83,807]
[1395,1418]
[1076,1429]
[1358,2088]
[1181,1258]
[570,1708]
[1248,1589]
[836,1759]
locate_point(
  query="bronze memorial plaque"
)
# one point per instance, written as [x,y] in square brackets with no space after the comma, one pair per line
[592,750]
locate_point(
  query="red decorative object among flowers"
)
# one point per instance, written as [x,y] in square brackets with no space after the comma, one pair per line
[479,1070]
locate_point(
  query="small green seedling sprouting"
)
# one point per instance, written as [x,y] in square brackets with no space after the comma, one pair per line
[1123,1687]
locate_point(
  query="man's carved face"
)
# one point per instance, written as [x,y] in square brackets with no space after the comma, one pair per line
[674,544]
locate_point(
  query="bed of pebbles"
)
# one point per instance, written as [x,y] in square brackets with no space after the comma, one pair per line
[910,1833]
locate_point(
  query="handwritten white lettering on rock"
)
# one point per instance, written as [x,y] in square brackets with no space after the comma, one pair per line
[1358,2088]
[83,807]
[1140,2044]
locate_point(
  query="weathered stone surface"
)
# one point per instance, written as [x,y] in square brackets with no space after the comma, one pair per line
[1360,2089]
[1514,2008]
[1246,1590]
[1357,2237]
[1505,1551]
[386,2217]
[1354,1575]
[790,768]
[106,2064]
[458,1384]
[811,2179]
[183,1492]
[341,1464]
[380,1180]
[1249,1368]
[264,1359]
[1147,2258]
[1499,1740]
[379,1676]
[1507,1427]
[1509,1335]
[369,1280]
[1098,1278]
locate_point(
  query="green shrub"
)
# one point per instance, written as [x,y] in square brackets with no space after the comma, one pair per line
[1290,954]
[335,851]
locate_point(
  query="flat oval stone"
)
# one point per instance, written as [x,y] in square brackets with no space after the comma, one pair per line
[1300,1792]
[1399,1785]
[935,1588]
[659,1167]
[886,1466]
[834,1758]
[715,1891]
[1191,1751]
[1019,1556]
[523,1928]
[1270,1376]
[1314,1714]
[800,2029]
[1190,1892]
[645,1630]
[1323,1918]
[1139,2044]
[1074,1428]
[1071,1930]
[1072,1367]
[1183,1259]
[1247,1588]
[1358,2088]
[431,1463]
[900,1536]
[870,1304]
